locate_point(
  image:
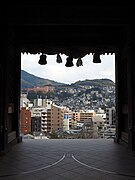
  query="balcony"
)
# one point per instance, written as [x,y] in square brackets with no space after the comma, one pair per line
[43,122]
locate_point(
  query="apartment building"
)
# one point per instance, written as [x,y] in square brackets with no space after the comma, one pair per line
[86,115]
[57,117]
[74,118]
[35,124]
[36,118]
[94,127]
[51,117]
[39,102]
[66,122]
[110,115]
[24,101]
[40,115]
[25,117]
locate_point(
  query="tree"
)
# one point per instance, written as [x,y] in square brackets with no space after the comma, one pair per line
[53,135]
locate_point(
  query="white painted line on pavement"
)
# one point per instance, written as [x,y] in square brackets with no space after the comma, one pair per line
[101,170]
[35,170]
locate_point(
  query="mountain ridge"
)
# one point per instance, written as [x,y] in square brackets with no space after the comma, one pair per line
[29,80]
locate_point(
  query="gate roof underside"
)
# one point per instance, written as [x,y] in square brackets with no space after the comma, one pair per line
[69,29]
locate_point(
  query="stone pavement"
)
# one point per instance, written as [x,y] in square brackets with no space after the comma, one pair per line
[68,159]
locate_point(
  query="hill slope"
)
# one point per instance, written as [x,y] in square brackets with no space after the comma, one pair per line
[95,82]
[29,80]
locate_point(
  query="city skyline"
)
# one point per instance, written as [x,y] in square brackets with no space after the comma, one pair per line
[58,72]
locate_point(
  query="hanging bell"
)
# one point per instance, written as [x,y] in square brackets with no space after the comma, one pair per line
[58,58]
[42,60]
[69,62]
[96,58]
[79,62]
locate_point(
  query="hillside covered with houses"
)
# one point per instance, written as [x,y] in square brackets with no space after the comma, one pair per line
[89,106]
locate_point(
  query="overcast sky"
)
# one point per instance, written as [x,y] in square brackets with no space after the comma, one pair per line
[60,73]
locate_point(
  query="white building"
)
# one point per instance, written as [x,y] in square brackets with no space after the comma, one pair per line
[24,101]
[39,102]
[66,122]
[100,112]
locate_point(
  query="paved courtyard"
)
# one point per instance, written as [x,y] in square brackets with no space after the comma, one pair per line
[68,159]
